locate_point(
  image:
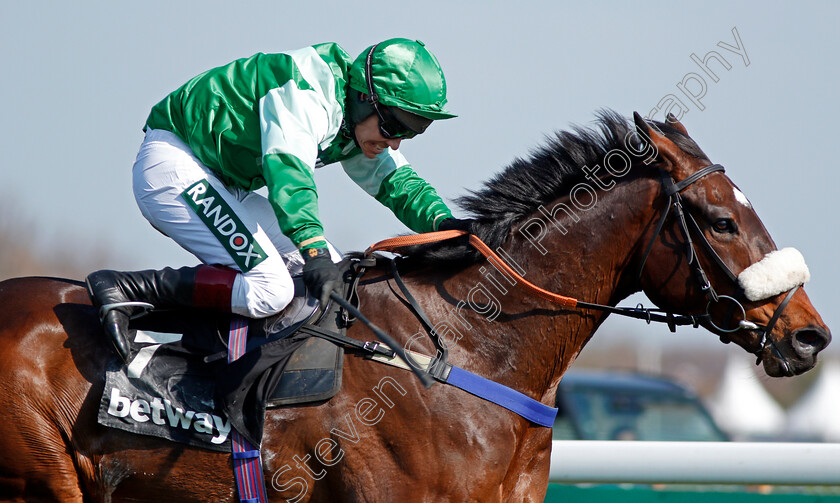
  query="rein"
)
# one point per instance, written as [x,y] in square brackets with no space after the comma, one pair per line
[638,312]
[672,190]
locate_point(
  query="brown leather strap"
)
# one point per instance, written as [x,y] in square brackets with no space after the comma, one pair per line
[398,243]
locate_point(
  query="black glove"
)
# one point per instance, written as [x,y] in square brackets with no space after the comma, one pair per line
[457,224]
[320,274]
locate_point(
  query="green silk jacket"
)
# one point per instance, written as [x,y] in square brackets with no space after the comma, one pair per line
[272,119]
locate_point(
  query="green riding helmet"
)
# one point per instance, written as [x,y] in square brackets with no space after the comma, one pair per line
[402,74]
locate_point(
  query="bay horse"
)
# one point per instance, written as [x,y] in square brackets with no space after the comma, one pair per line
[586,215]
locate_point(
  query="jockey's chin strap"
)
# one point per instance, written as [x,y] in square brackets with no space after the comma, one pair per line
[686,223]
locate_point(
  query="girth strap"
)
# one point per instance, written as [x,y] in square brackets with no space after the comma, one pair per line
[247,470]
[247,466]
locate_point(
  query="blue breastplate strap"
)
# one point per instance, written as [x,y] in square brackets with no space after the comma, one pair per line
[510,399]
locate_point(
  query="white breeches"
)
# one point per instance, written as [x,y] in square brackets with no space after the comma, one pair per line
[164,168]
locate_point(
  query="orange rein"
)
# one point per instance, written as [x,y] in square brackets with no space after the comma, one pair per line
[397,243]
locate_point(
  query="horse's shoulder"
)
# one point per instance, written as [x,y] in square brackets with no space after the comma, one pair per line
[42,287]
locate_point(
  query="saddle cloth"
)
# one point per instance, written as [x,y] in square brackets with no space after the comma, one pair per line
[179,385]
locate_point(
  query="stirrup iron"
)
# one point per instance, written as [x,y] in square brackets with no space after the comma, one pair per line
[105,308]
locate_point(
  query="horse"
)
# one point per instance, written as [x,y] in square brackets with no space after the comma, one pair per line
[589,215]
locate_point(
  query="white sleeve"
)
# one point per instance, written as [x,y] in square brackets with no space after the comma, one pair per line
[300,121]
[292,121]
[369,173]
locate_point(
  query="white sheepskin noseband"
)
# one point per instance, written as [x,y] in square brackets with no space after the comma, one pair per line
[777,272]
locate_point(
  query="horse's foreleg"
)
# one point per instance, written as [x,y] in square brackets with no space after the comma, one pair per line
[37,465]
[528,476]
[37,460]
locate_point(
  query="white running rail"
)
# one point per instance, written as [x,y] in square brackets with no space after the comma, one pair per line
[640,462]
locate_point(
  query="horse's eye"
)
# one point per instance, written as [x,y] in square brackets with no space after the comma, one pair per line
[726,225]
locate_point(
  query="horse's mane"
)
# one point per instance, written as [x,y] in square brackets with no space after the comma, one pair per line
[548,173]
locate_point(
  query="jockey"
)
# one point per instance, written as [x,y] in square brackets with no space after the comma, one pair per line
[271,120]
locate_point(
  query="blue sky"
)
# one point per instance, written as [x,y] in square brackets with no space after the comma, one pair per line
[79,79]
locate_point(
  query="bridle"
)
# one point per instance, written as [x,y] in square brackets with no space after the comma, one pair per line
[686,224]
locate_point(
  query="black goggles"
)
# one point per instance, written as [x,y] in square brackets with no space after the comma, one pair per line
[394,123]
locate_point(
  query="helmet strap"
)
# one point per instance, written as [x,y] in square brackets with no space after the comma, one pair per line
[356,111]
[372,96]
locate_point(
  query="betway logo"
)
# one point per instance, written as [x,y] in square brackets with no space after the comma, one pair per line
[161,412]
[215,212]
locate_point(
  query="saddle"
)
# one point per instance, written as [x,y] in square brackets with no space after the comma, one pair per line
[180,386]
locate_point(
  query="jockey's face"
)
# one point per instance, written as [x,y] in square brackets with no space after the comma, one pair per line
[370,139]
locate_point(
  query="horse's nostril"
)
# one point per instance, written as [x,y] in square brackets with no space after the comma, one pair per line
[811,340]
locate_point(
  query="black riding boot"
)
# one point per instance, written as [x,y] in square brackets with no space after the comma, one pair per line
[121,295]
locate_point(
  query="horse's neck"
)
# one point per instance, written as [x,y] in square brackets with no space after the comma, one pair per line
[587,255]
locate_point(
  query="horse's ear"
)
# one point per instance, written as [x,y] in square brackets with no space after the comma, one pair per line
[669,153]
[641,126]
[670,119]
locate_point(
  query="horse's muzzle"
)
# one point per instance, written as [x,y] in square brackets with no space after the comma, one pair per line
[808,341]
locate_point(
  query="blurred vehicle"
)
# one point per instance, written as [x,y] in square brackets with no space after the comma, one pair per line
[602,405]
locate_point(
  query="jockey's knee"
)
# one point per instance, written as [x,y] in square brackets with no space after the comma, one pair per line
[262,294]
